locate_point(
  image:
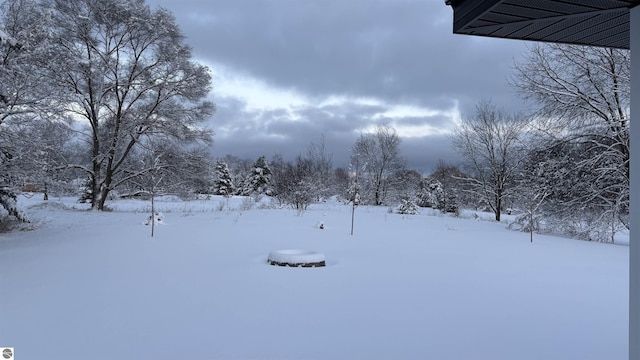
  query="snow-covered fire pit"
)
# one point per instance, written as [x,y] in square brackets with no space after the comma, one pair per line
[296,258]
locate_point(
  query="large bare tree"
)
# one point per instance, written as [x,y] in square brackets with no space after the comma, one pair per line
[127,74]
[489,141]
[583,96]
[378,154]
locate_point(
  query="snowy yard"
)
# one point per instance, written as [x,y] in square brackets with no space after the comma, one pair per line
[90,285]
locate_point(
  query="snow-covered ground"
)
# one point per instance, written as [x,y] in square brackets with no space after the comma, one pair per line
[96,285]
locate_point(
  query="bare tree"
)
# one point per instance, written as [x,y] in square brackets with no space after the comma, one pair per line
[557,169]
[530,198]
[39,148]
[127,74]
[25,45]
[153,170]
[307,180]
[342,181]
[489,142]
[185,170]
[321,167]
[583,95]
[378,154]
[301,186]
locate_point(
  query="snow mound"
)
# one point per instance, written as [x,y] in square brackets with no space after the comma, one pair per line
[159,219]
[296,258]
[53,205]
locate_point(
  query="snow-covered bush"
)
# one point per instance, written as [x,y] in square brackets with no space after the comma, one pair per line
[408,206]
[584,226]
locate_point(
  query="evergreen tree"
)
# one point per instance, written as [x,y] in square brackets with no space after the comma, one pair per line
[259,179]
[223,185]
[408,206]
[431,193]
[85,191]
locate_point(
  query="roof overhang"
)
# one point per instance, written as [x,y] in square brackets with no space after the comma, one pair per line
[582,22]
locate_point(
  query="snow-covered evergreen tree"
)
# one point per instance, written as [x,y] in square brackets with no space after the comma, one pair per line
[258,180]
[85,191]
[408,206]
[431,193]
[223,184]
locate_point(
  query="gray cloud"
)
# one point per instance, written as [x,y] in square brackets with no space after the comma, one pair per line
[425,152]
[401,52]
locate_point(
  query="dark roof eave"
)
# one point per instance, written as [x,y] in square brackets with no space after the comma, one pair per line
[606,25]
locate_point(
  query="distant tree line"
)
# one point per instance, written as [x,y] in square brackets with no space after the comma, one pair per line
[376,165]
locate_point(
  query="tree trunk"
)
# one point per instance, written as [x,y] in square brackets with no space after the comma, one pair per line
[531,225]
[105,189]
[95,174]
[353,215]
[103,198]
[95,189]
[153,204]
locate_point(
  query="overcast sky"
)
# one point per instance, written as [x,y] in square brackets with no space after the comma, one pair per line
[286,72]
